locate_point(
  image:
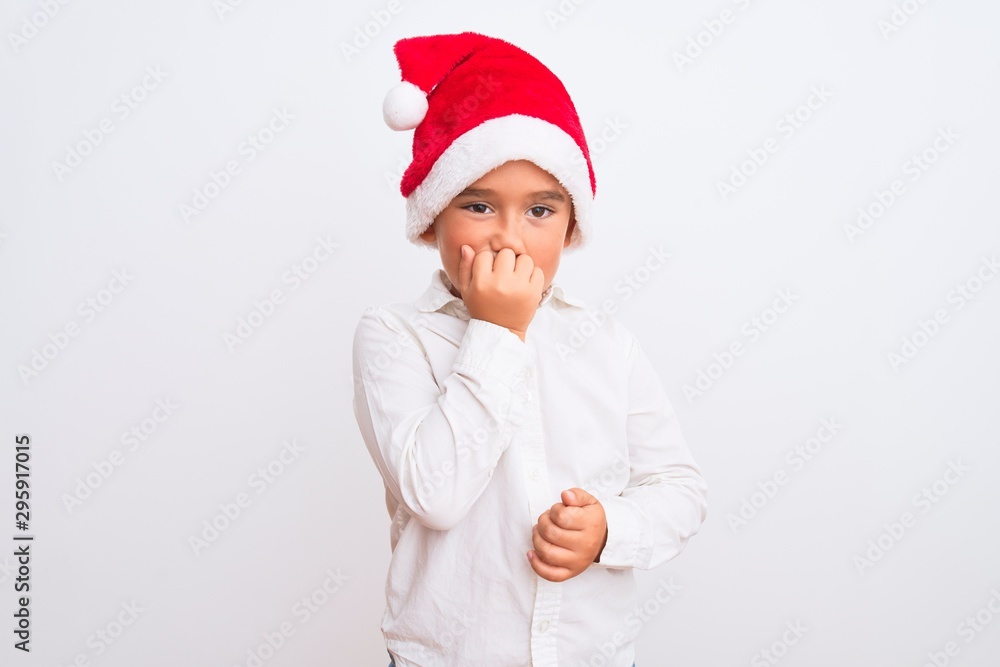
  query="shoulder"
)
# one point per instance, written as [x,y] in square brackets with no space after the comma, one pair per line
[383,333]
[399,316]
[625,339]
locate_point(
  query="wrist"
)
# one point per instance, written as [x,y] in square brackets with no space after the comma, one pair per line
[597,558]
[518,333]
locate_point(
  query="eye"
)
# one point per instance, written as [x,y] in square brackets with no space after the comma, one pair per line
[543,209]
[476,210]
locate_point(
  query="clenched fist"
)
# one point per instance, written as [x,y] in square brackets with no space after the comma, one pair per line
[504,289]
[569,536]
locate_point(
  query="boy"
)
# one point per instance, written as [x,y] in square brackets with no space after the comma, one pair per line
[526,473]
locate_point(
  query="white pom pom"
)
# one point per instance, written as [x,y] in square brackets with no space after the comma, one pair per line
[405,105]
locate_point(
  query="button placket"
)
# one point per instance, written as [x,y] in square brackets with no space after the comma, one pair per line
[545,610]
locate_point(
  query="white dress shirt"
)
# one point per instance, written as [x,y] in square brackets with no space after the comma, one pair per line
[475,434]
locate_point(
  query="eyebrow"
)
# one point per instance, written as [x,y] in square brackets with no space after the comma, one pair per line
[542,194]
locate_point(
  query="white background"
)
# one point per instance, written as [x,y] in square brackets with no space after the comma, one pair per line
[333,172]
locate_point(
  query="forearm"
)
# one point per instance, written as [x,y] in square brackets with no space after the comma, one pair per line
[438,457]
[665,500]
[650,524]
[446,460]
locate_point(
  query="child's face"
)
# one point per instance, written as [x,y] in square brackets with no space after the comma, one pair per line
[519,206]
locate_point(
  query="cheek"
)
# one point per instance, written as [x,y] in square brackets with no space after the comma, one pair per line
[467,236]
[459,229]
[548,258]
[451,247]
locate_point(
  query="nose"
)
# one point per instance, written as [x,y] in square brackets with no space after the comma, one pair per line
[508,232]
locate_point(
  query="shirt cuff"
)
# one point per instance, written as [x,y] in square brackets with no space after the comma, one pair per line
[497,351]
[622,547]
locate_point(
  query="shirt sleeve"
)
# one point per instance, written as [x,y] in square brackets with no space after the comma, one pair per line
[665,501]
[436,446]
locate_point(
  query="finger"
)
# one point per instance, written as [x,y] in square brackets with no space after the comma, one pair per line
[556,534]
[464,268]
[549,560]
[553,554]
[504,263]
[546,571]
[578,497]
[482,265]
[524,265]
[537,279]
[567,518]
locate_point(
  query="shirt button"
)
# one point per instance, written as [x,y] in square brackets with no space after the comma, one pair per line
[543,626]
[533,474]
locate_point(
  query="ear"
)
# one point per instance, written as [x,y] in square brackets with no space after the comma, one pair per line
[570,227]
[429,234]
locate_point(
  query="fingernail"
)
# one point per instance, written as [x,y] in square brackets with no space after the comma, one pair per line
[530,555]
[572,496]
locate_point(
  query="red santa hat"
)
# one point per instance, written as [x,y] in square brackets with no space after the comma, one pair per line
[476,102]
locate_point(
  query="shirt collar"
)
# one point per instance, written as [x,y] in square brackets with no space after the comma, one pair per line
[438,296]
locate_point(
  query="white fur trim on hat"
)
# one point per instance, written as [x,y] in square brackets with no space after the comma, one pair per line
[489,145]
